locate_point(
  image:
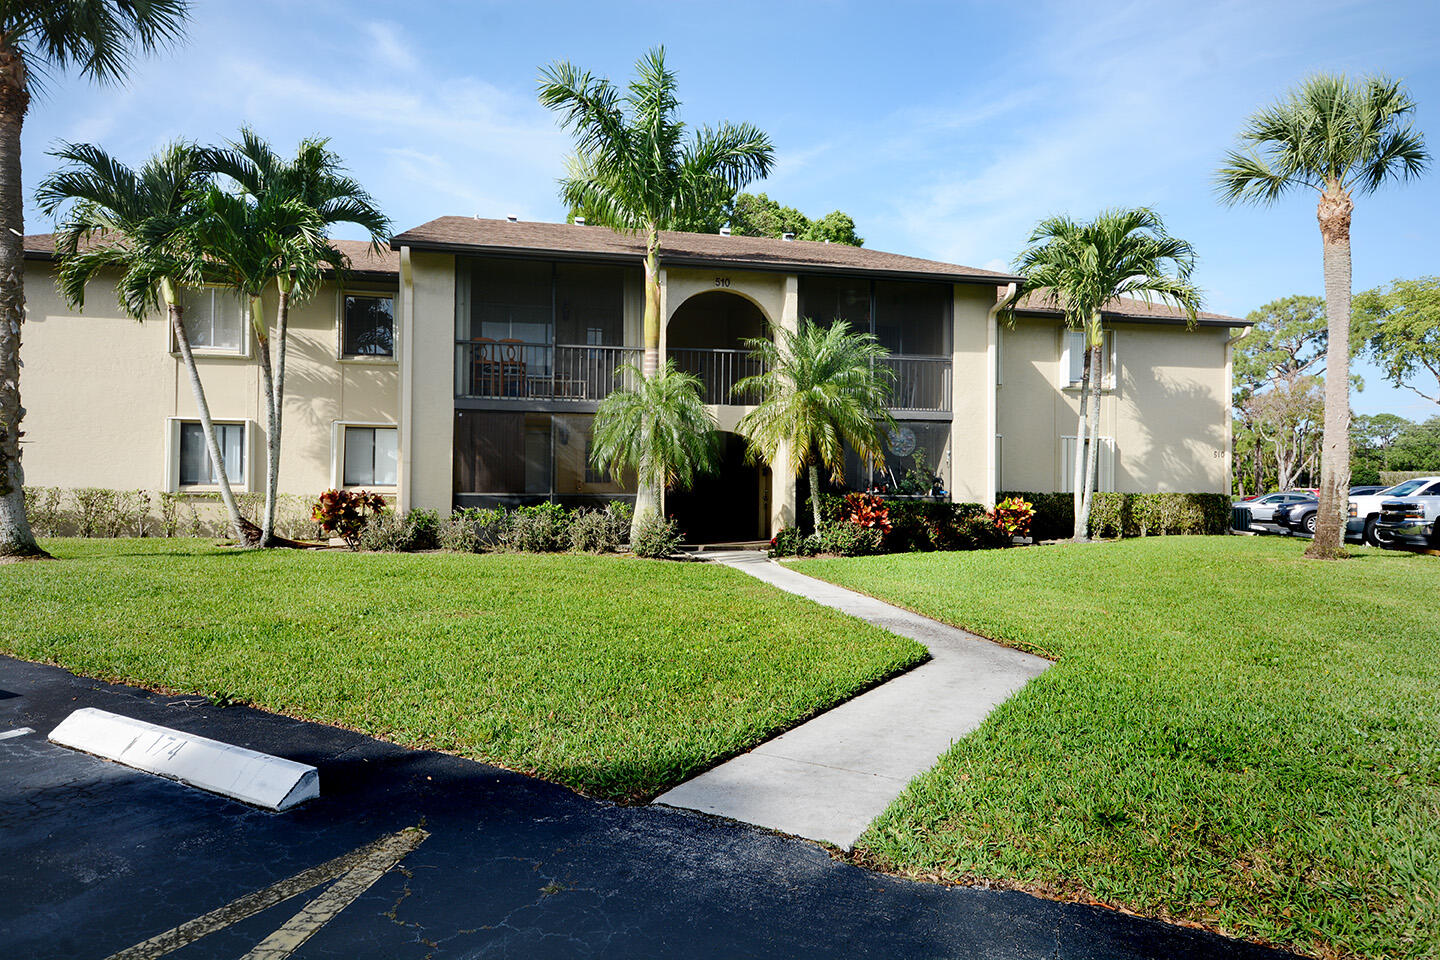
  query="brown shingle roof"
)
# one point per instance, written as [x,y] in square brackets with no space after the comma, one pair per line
[1126,308]
[677,249]
[41,246]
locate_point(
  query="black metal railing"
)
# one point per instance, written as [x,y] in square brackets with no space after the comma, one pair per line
[719,370]
[921,383]
[511,369]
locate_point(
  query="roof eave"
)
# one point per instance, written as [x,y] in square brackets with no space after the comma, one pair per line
[1226,322]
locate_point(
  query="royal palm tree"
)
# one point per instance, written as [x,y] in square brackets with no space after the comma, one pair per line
[100,38]
[820,388]
[315,178]
[1338,137]
[657,427]
[115,218]
[1081,267]
[636,170]
[247,243]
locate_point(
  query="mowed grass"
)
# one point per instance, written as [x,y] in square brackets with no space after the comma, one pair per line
[1232,735]
[616,676]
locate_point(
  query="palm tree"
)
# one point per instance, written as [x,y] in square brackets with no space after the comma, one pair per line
[247,244]
[100,37]
[658,427]
[135,221]
[1081,267]
[1338,137]
[820,388]
[635,169]
[316,179]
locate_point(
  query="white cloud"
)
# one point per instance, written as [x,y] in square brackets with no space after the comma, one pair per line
[389,46]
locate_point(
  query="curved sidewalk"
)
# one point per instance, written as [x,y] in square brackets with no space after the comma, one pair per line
[827,779]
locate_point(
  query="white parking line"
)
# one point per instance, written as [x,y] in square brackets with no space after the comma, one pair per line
[17,732]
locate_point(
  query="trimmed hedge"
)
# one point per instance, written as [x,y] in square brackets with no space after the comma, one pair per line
[918,524]
[1130,514]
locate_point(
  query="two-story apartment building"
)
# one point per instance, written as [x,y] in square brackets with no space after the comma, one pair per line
[466,366]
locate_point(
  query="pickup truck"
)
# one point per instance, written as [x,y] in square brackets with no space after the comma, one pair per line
[1411,522]
[1364,522]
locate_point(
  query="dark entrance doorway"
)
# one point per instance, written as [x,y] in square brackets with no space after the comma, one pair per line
[706,336]
[728,505]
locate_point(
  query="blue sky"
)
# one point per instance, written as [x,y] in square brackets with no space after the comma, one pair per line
[945,129]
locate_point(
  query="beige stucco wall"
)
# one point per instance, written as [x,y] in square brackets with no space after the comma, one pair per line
[1168,410]
[101,390]
[431,360]
[971,445]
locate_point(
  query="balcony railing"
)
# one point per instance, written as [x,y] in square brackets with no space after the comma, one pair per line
[719,371]
[508,369]
[921,383]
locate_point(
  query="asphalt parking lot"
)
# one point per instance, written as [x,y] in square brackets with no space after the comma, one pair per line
[97,859]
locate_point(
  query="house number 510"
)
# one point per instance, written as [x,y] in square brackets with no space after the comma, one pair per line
[722,281]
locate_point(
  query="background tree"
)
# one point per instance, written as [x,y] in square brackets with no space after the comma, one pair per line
[1286,342]
[1401,329]
[1081,267]
[636,169]
[1339,138]
[1416,447]
[657,427]
[100,39]
[136,222]
[1287,420]
[1371,439]
[756,215]
[314,179]
[822,388]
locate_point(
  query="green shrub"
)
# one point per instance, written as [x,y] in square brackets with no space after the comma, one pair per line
[424,528]
[846,539]
[788,542]
[543,528]
[601,531]
[45,509]
[1130,514]
[170,504]
[458,533]
[346,513]
[392,533]
[656,537]
[131,510]
[94,507]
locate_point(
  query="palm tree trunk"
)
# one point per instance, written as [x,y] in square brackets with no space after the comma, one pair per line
[651,360]
[207,425]
[1333,214]
[16,537]
[1092,459]
[272,434]
[815,494]
[272,478]
[1078,466]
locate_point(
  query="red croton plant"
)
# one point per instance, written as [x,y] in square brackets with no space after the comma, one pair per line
[867,510]
[344,513]
[1012,516]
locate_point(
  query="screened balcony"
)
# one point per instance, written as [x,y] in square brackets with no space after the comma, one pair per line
[512,369]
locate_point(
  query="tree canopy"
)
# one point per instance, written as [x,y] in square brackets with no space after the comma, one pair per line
[1401,329]
[756,215]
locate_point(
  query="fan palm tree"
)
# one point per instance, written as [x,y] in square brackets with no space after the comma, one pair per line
[115,218]
[1081,267]
[820,388]
[315,179]
[636,170]
[100,38]
[247,244]
[658,427]
[1338,137]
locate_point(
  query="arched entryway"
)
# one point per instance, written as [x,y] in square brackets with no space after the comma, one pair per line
[727,506]
[706,336]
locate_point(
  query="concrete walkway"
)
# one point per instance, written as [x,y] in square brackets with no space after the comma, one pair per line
[828,778]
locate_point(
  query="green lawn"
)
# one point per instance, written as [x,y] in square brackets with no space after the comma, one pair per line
[616,676]
[1232,735]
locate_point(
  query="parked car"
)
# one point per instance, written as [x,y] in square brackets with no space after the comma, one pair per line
[1300,517]
[1364,522]
[1262,508]
[1411,522]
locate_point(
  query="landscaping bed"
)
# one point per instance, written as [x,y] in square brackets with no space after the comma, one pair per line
[614,675]
[1232,735]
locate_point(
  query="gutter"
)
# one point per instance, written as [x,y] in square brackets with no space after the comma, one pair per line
[992,400]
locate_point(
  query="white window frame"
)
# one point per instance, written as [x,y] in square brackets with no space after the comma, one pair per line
[1108,365]
[172,456]
[1105,481]
[337,455]
[247,335]
[361,358]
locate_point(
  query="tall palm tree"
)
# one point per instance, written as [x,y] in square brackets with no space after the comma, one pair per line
[247,244]
[115,218]
[636,170]
[820,388]
[658,427]
[1338,137]
[100,38]
[316,179]
[1081,267]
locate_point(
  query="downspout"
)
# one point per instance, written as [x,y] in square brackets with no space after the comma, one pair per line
[403,494]
[992,399]
[1230,420]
